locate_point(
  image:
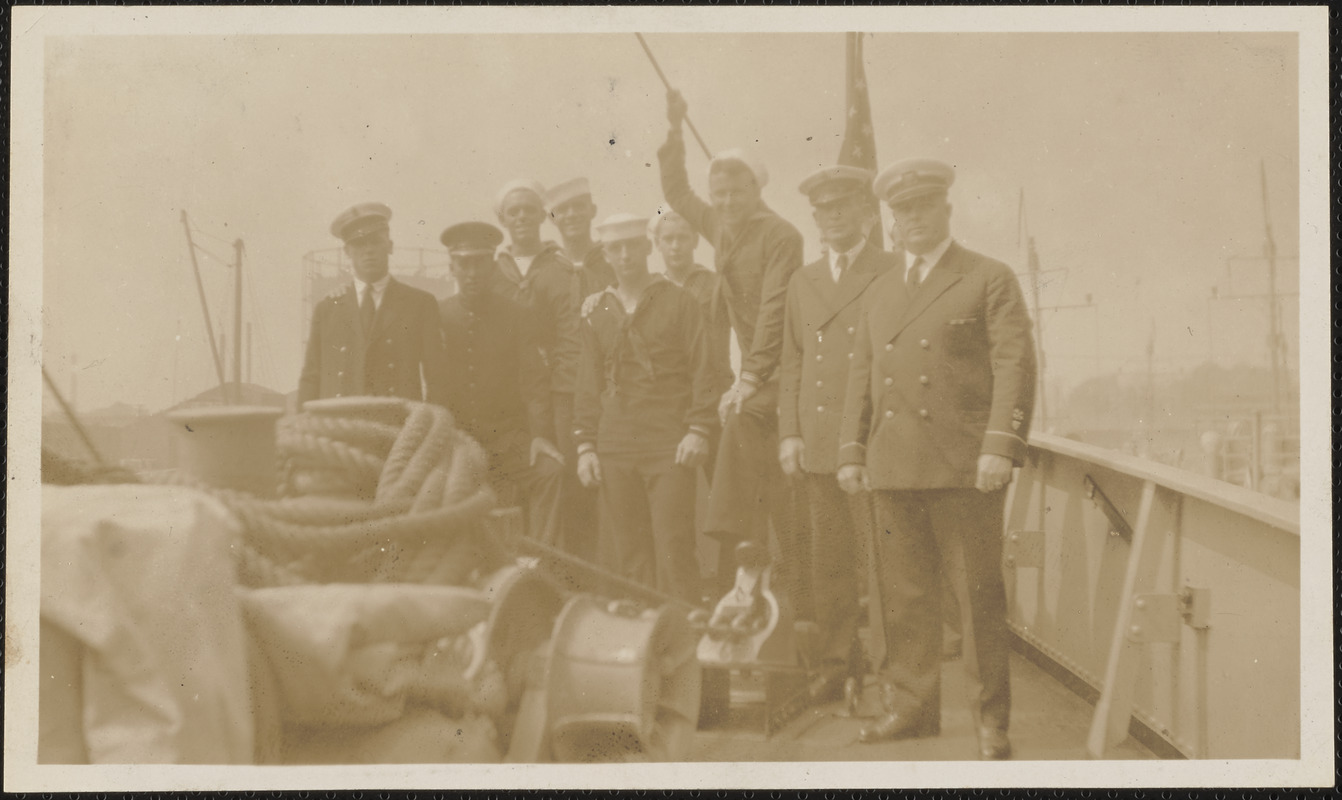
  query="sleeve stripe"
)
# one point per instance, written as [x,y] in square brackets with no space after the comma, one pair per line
[1004,433]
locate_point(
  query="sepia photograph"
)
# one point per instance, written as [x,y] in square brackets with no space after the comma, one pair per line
[646,398]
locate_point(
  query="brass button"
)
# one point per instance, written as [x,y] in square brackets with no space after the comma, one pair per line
[889,381]
[922,343]
[850,356]
[819,384]
[922,412]
[923,379]
[819,358]
[851,330]
[342,348]
[820,409]
[889,347]
[390,365]
[889,414]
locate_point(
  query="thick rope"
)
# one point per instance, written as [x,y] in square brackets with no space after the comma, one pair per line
[430,501]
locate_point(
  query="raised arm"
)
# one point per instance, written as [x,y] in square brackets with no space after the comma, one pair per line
[675,180]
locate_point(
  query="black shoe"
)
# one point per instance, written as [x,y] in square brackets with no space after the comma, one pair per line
[994,744]
[897,726]
[826,685]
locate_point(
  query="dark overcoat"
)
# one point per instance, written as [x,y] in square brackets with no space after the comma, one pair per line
[400,356]
[940,375]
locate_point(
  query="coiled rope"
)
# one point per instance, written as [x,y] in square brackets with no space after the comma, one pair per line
[429,501]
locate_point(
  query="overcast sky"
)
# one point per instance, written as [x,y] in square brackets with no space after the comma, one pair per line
[1138,155]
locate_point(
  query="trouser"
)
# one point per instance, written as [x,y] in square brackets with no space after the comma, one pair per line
[533,488]
[925,538]
[749,491]
[649,504]
[575,524]
[830,578]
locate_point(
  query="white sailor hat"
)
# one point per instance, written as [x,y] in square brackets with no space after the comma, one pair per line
[525,184]
[566,191]
[828,184]
[471,238]
[622,226]
[912,178]
[749,160]
[360,220]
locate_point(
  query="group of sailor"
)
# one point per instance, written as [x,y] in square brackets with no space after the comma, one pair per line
[882,397]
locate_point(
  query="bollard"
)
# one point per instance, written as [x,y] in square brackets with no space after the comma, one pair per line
[228,447]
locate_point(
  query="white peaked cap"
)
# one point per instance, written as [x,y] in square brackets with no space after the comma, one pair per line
[525,184]
[749,160]
[622,226]
[566,191]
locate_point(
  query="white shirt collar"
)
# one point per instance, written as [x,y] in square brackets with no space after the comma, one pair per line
[852,257]
[930,259]
[379,289]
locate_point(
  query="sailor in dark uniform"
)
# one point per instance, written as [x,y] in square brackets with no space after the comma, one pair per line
[938,408]
[645,412]
[500,388]
[572,211]
[824,302]
[377,336]
[538,276]
[756,251]
[675,239]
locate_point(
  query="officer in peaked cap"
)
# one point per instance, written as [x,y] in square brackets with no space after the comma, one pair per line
[376,336]
[360,220]
[824,302]
[937,411]
[471,238]
[914,177]
[501,394]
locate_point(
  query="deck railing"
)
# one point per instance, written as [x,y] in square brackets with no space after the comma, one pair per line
[1174,596]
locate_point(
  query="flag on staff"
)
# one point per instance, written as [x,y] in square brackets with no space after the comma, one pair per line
[859,138]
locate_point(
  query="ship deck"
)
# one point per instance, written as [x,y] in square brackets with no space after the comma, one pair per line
[1049,722]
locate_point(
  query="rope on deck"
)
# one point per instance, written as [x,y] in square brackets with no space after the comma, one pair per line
[429,498]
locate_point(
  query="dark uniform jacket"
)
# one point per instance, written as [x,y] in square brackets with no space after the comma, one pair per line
[500,390]
[549,292]
[941,376]
[646,378]
[819,332]
[754,265]
[403,348]
[702,283]
[595,273]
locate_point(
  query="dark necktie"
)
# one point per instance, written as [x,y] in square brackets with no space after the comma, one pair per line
[367,309]
[915,276]
[840,264]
